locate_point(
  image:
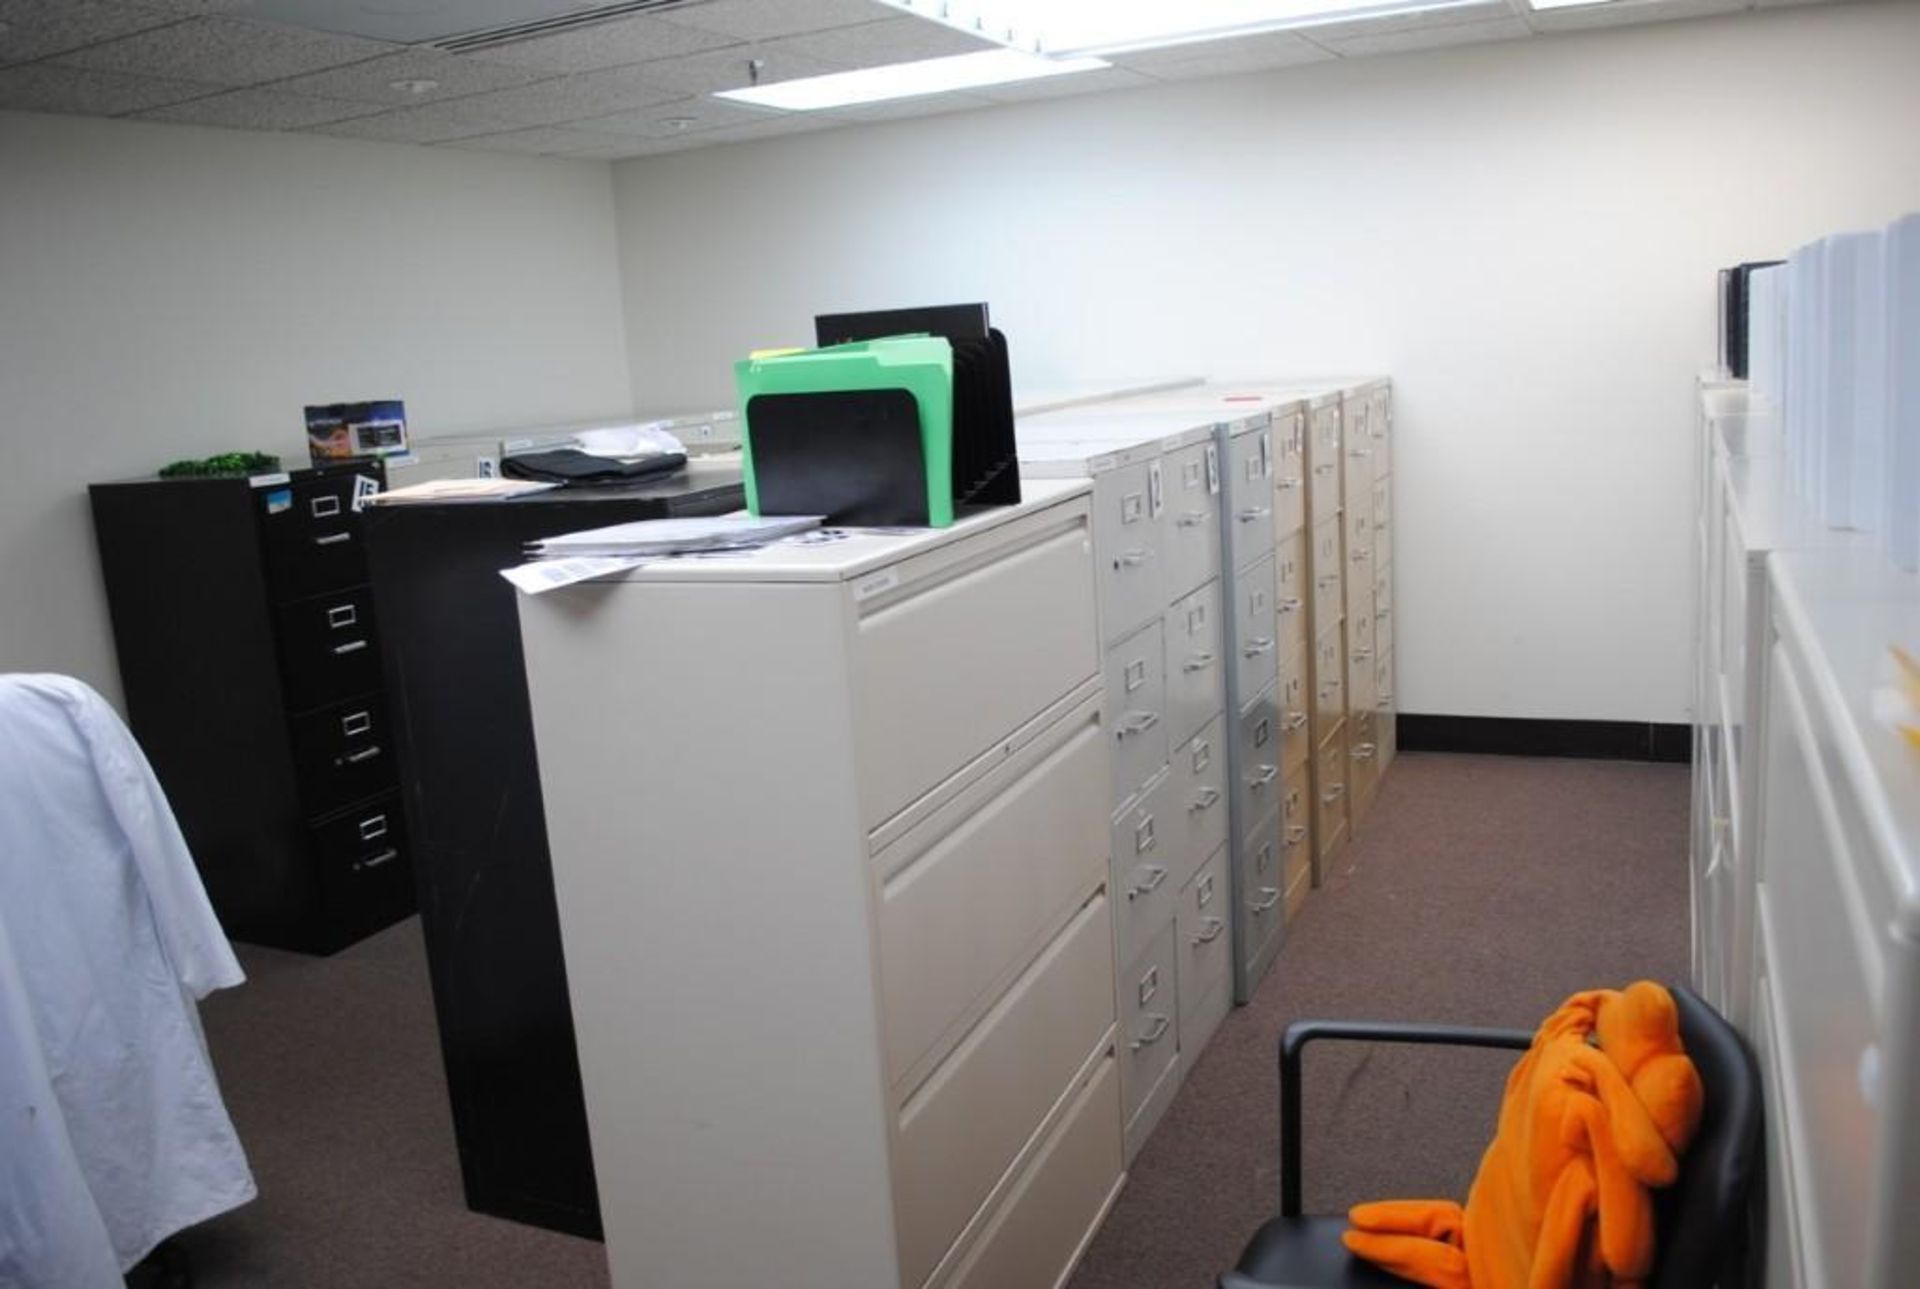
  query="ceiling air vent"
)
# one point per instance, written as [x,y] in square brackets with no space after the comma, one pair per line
[510,33]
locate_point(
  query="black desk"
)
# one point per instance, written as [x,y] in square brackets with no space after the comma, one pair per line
[450,637]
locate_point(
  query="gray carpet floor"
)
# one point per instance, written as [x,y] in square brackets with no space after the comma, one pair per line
[1481,891]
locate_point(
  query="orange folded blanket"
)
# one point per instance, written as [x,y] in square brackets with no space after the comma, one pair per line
[1595,1117]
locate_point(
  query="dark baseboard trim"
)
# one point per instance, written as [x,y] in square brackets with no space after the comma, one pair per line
[1514,736]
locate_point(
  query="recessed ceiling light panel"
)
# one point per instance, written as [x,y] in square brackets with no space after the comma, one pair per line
[1075,28]
[908,80]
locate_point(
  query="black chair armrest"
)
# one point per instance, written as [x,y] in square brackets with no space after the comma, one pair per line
[1293,1044]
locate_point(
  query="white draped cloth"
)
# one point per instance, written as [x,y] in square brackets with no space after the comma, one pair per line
[113,1135]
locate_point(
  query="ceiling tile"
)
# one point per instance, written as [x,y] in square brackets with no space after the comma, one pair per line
[1110,78]
[32,29]
[1476,11]
[372,81]
[895,40]
[187,8]
[1627,12]
[607,44]
[766,19]
[571,98]
[222,51]
[542,139]
[729,69]
[265,108]
[1224,57]
[45,87]
[430,123]
[1397,42]
[702,114]
[902,108]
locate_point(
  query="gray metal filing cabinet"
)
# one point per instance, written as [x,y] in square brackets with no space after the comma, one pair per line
[1157,493]
[841,951]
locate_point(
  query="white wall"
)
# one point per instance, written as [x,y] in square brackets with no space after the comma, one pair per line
[1524,236]
[168,291]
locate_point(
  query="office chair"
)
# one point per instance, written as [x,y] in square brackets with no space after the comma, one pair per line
[1701,1218]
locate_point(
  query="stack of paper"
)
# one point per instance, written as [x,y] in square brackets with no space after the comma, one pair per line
[672,536]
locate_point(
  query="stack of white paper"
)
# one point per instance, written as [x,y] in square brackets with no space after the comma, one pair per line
[1902,494]
[673,536]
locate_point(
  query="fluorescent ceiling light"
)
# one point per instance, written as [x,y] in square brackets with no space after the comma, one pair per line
[1072,28]
[1565,4]
[908,80]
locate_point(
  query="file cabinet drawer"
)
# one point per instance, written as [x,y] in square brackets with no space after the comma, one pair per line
[1296,829]
[1363,694]
[1363,761]
[1290,473]
[1386,729]
[1196,672]
[1383,681]
[964,1127]
[1200,795]
[1256,654]
[1383,544]
[1329,583]
[1359,534]
[328,650]
[1382,426]
[1192,527]
[1382,504]
[1260,750]
[1330,785]
[1129,546]
[342,754]
[1016,851]
[1296,740]
[1360,582]
[363,868]
[1149,1029]
[1329,688]
[1290,583]
[1359,454]
[1022,599]
[1050,1209]
[1146,867]
[311,535]
[1262,889]
[1137,709]
[1323,464]
[1203,924]
[1250,461]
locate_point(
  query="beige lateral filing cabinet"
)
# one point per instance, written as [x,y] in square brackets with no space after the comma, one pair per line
[830,825]
[1158,489]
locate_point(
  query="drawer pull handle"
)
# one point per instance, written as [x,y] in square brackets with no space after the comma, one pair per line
[356,723]
[364,754]
[1156,1032]
[1267,774]
[333,539]
[1192,518]
[1216,927]
[1361,655]
[1290,481]
[1199,662]
[376,826]
[1333,794]
[1296,834]
[342,615]
[1386,696]
[1329,579]
[1204,799]
[1138,723]
[1251,513]
[1324,469]
[386,856]
[1155,875]
[351,646]
[1382,613]
[1257,907]
[1258,646]
[1134,558]
[1364,752]
[1359,452]
[1296,719]
[1289,604]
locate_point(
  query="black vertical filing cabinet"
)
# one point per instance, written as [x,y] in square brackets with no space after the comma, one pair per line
[245,634]
[450,637]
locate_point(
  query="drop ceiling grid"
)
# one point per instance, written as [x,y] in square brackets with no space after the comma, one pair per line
[632,86]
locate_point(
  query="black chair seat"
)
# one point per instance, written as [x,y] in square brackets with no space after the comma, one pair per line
[1307,1251]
